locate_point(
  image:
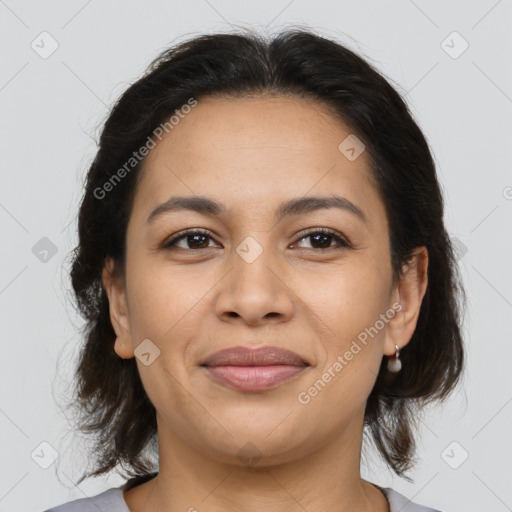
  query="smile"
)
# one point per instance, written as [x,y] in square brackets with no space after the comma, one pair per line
[254,378]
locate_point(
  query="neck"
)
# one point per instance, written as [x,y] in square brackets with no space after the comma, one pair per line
[327,478]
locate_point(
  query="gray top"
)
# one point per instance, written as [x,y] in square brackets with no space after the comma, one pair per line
[112,501]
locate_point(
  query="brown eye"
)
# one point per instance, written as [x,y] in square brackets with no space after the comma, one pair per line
[322,238]
[196,239]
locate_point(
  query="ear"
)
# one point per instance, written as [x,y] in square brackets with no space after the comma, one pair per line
[409,293]
[114,286]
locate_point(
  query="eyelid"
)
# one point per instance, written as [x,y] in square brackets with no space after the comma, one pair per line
[328,231]
[180,234]
[345,242]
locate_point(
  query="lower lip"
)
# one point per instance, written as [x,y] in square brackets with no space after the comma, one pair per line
[253,378]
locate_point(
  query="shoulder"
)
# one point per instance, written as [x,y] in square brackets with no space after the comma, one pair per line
[399,503]
[108,501]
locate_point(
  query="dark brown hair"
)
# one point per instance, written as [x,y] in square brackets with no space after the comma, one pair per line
[108,396]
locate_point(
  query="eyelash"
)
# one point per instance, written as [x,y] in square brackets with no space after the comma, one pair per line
[343,243]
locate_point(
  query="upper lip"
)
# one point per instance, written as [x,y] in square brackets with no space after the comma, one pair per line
[250,356]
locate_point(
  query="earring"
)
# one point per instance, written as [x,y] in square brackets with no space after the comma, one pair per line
[394,364]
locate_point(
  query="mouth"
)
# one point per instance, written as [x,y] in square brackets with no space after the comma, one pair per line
[250,369]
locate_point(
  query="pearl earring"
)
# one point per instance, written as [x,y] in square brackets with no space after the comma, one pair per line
[394,364]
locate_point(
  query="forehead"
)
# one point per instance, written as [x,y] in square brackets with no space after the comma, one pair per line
[281,124]
[253,150]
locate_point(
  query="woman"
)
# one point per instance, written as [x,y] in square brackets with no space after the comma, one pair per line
[265,273]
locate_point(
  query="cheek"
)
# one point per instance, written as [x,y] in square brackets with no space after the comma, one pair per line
[155,305]
[351,299]
[158,313]
[351,306]
[166,306]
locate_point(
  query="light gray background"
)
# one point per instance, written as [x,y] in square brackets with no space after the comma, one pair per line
[51,109]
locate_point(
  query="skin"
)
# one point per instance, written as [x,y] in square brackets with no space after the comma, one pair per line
[251,154]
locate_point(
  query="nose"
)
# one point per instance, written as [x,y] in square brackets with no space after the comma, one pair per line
[255,292]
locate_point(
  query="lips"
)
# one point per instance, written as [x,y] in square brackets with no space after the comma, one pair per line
[250,369]
[264,356]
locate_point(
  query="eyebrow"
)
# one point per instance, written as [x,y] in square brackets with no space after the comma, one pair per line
[210,207]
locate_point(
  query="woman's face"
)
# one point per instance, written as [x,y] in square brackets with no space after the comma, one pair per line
[250,278]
